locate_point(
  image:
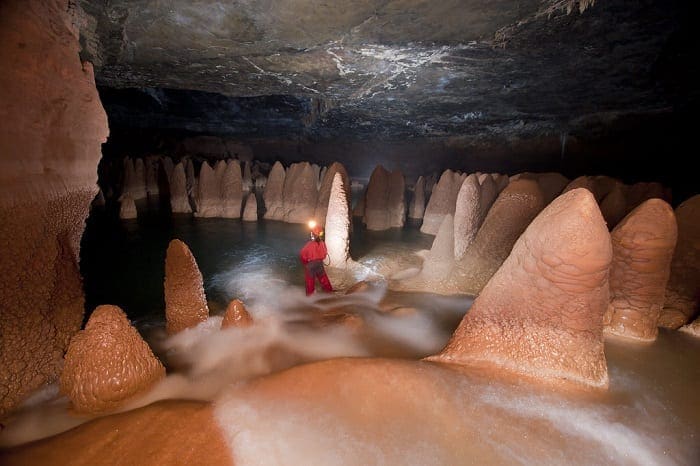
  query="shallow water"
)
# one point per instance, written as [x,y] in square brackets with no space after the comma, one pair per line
[650,415]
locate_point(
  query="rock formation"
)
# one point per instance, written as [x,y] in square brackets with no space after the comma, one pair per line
[514,209]
[250,211]
[467,219]
[108,363]
[548,297]
[416,207]
[384,202]
[185,301]
[692,328]
[442,201]
[208,193]
[127,208]
[236,315]
[247,178]
[640,192]
[300,193]
[643,244]
[440,259]
[272,196]
[324,192]
[232,190]
[683,290]
[179,200]
[338,223]
[51,136]
[489,193]
[614,205]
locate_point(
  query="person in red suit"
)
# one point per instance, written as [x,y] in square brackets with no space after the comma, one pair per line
[312,255]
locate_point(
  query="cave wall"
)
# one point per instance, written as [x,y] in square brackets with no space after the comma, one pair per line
[53,125]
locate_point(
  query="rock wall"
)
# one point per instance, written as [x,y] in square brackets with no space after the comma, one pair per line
[50,145]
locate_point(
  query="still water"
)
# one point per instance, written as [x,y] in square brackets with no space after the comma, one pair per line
[650,415]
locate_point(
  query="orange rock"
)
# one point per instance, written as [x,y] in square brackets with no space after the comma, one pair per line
[236,315]
[185,301]
[108,363]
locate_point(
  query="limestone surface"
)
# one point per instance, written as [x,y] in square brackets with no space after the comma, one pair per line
[108,363]
[274,189]
[127,208]
[236,316]
[250,211]
[232,190]
[643,244]
[467,219]
[416,207]
[185,301]
[442,200]
[548,297]
[179,200]
[300,193]
[338,223]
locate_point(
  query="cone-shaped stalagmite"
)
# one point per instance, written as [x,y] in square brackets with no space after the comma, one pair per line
[108,363]
[232,190]
[185,301]
[614,205]
[541,314]
[417,206]
[338,223]
[442,201]
[127,208]
[250,211]
[324,192]
[179,200]
[683,290]
[385,205]
[272,196]
[300,193]
[467,218]
[208,193]
[440,259]
[643,245]
[236,316]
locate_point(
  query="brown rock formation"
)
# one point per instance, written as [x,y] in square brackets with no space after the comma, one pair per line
[338,223]
[179,200]
[185,301]
[514,209]
[442,201]
[643,244]
[52,129]
[548,298]
[416,207]
[683,291]
[440,258]
[489,193]
[300,193]
[467,219]
[250,211]
[324,192]
[208,193]
[108,363]
[236,315]
[385,205]
[614,205]
[127,208]
[272,196]
[232,190]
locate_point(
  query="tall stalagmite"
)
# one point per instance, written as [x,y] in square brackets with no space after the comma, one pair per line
[52,129]
[232,190]
[179,200]
[208,192]
[300,193]
[384,202]
[338,223]
[442,201]
[272,196]
[185,301]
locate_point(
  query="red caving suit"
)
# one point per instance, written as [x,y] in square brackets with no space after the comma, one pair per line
[312,255]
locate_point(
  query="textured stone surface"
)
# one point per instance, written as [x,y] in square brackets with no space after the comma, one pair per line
[338,223]
[108,363]
[384,201]
[179,200]
[250,211]
[300,193]
[236,315]
[468,218]
[548,298]
[324,190]
[185,301]
[232,190]
[52,129]
[127,208]
[274,189]
[209,202]
[643,244]
[442,200]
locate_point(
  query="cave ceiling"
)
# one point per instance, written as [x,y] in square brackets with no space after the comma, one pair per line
[469,70]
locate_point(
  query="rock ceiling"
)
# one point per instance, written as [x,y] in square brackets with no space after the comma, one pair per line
[469,70]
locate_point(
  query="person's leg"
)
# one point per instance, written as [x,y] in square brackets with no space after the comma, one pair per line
[310,282]
[325,282]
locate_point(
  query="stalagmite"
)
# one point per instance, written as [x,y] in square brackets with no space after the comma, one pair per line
[548,298]
[108,363]
[232,190]
[324,191]
[247,178]
[208,193]
[489,193]
[185,301]
[683,290]
[416,207]
[442,201]
[467,219]
[179,200]
[236,315]
[552,184]
[440,258]
[272,196]
[250,211]
[384,203]
[127,208]
[338,224]
[509,216]
[643,245]
[614,205]
[300,193]
[501,181]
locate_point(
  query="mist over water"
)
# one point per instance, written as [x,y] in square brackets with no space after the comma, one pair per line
[650,415]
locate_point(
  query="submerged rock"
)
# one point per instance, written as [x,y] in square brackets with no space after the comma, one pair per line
[442,201]
[127,208]
[416,207]
[232,190]
[467,219]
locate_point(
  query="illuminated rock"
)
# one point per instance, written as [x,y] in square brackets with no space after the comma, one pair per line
[272,196]
[442,201]
[250,211]
[467,219]
[324,192]
[548,298]
[692,328]
[179,200]
[416,207]
[108,363]
[300,193]
[501,181]
[185,301]
[440,258]
[232,190]
[127,208]
[338,224]
[489,193]
[643,244]
[208,193]
[614,205]
[683,289]
[384,203]
[236,315]
[247,178]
